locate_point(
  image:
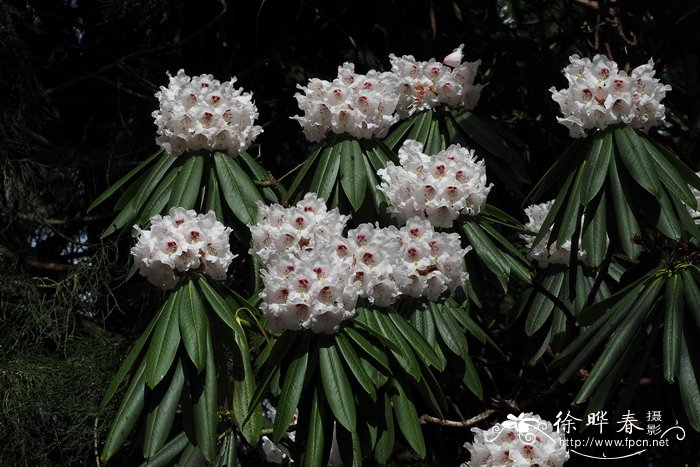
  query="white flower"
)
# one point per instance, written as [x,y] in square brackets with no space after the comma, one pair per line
[200,112]
[600,95]
[273,454]
[280,229]
[359,105]
[544,256]
[179,242]
[525,440]
[424,85]
[439,187]
[433,260]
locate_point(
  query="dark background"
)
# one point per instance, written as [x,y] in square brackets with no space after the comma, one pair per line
[77,79]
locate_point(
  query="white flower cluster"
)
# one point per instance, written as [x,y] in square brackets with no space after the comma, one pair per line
[525,440]
[360,105]
[313,275]
[544,256]
[424,85]
[365,106]
[439,187]
[179,242]
[199,112]
[600,95]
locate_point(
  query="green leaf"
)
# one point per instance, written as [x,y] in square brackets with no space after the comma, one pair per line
[571,218]
[247,413]
[621,339]
[368,347]
[673,327]
[549,220]
[191,457]
[160,197]
[471,377]
[692,296]
[349,447]
[337,387]
[404,355]
[313,455]
[668,174]
[220,307]
[303,171]
[165,342]
[636,159]
[668,221]
[212,200]
[596,169]
[386,436]
[239,191]
[407,418]
[127,415]
[563,167]
[353,176]
[227,456]
[627,225]
[326,172]
[480,132]
[160,419]
[449,330]
[421,128]
[398,133]
[355,365]
[272,363]
[291,389]
[130,359]
[487,251]
[187,183]
[262,175]
[435,142]
[417,341]
[203,391]
[688,382]
[595,239]
[194,326]
[542,306]
[683,170]
[110,191]
[169,452]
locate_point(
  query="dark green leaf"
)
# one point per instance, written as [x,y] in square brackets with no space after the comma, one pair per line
[261,175]
[627,225]
[355,365]
[421,128]
[386,437]
[247,413]
[220,307]
[404,354]
[596,169]
[595,239]
[203,390]
[673,327]
[166,340]
[542,306]
[407,418]
[371,349]
[160,197]
[692,296]
[159,421]
[291,390]
[636,159]
[186,185]
[353,176]
[239,191]
[337,387]
[688,382]
[168,453]
[326,172]
[194,326]
[313,455]
[668,174]
[417,341]
[304,170]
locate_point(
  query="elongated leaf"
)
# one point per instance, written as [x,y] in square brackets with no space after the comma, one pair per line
[668,221]
[621,339]
[326,172]
[692,296]
[627,225]
[353,176]
[421,128]
[673,327]
[291,390]
[194,326]
[368,347]
[227,456]
[571,218]
[203,390]
[191,457]
[349,447]
[404,355]
[688,382]
[386,436]
[220,307]
[487,251]
[169,452]
[564,165]
[272,363]
[127,415]
[310,161]
[239,191]
[477,130]
[554,214]
[686,172]
[212,200]
[187,183]
[110,191]
[668,174]
[313,455]
[596,169]
[261,175]
[471,377]
[595,238]
[636,159]
[420,345]
[247,412]
[166,340]
[159,421]
[542,306]
[396,135]
[160,197]
[337,387]
[407,418]
[449,330]
[354,364]
[423,322]
[435,142]
[130,359]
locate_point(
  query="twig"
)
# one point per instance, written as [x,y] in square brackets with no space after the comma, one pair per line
[34,262]
[556,300]
[455,424]
[97,450]
[589,3]
[291,171]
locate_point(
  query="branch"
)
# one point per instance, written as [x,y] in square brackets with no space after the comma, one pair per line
[33,262]
[455,424]
[589,3]
[556,300]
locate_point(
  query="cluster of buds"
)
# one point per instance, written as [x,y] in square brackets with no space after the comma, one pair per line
[599,95]
[201,113]
[179,242]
